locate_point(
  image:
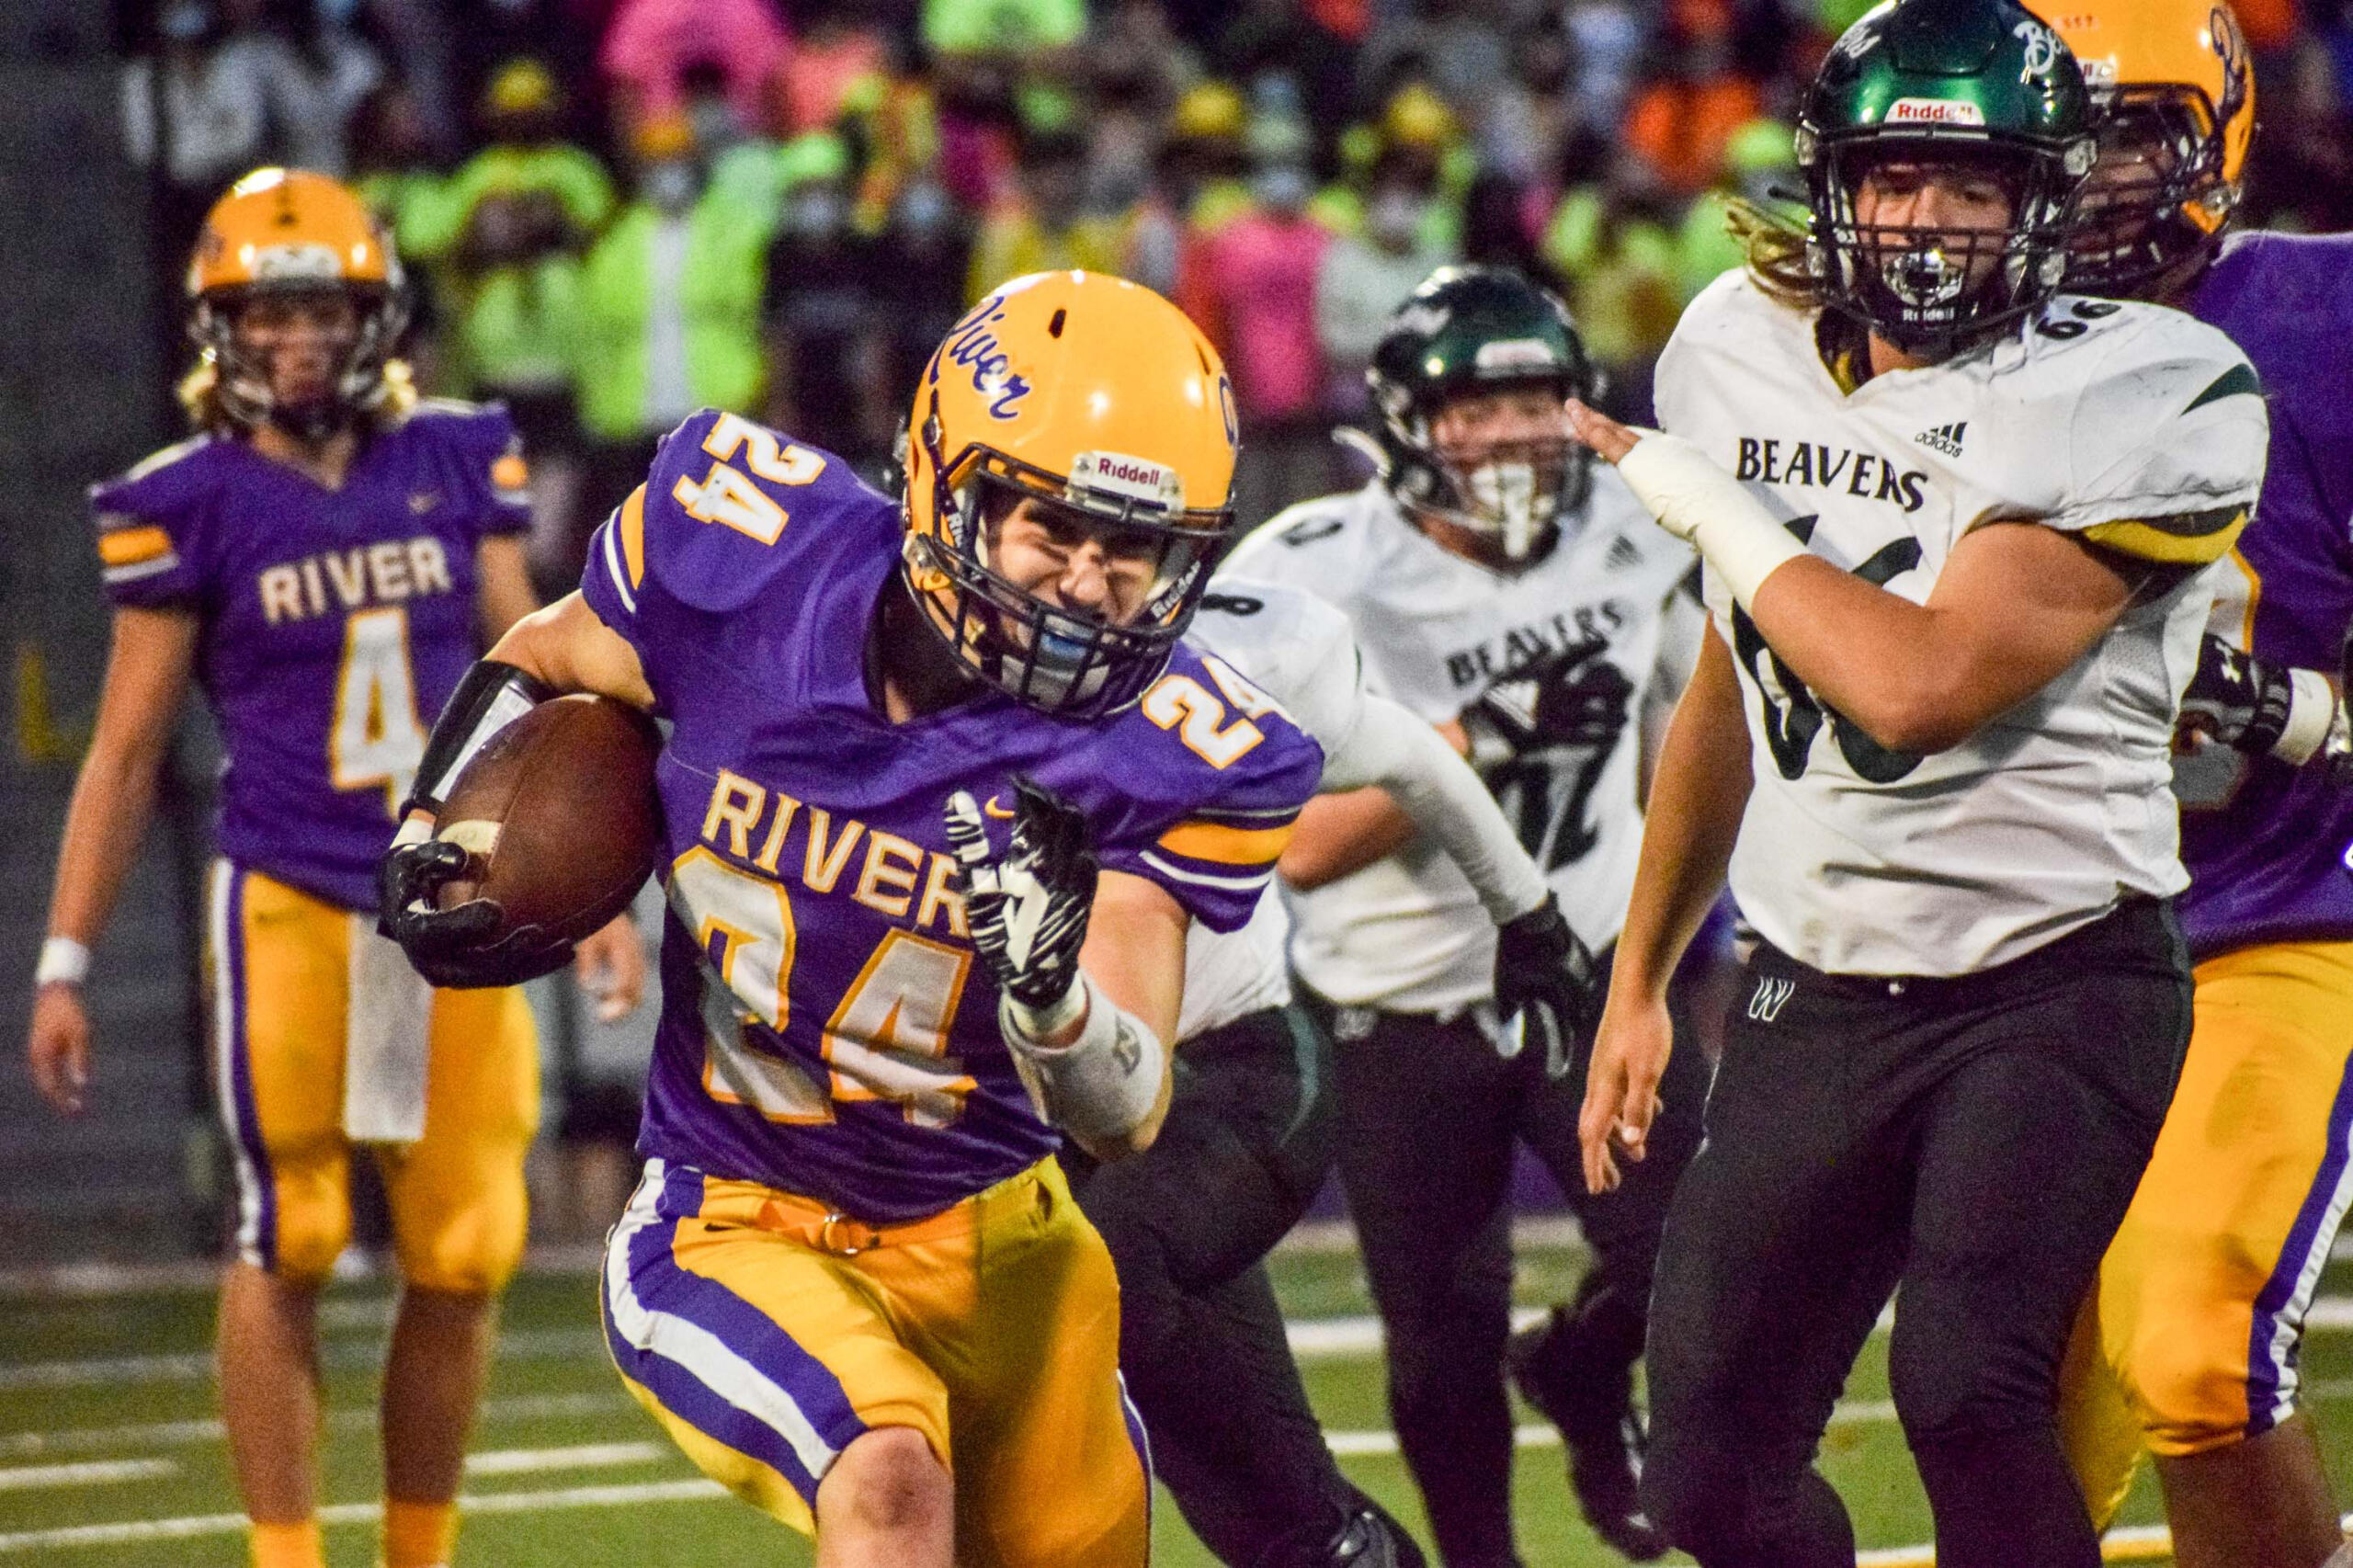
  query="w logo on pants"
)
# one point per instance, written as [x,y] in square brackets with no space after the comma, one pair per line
[1765,1005]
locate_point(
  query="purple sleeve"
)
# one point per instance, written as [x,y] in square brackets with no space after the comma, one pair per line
[710,531]
[148,529]
[494,458]
[1214,849]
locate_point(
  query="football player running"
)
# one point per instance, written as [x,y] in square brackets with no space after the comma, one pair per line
[2199,1309]
[1502,590]
[1250,1133]
[325,559]
[1956,530]
[942,792]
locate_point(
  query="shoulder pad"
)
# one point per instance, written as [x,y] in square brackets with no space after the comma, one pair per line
[2165,427]
[1217,777]
[160,487]
[1296,648]
[1307,543]
[728,504]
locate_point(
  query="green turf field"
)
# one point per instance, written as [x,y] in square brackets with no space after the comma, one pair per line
[108,1458]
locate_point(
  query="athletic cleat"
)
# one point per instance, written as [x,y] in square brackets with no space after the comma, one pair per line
[1577,1368]
[1367,1538]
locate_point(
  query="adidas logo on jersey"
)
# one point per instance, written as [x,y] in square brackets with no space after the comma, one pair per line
[1945,438]
[1624,555]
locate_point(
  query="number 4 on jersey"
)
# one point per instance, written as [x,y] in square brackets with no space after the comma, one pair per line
[376,739]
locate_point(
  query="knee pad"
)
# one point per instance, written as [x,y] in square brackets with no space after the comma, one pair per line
[464,1242]
[1716,1510]
[2191,1391]
[300,1212]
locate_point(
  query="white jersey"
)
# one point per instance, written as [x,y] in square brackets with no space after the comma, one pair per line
[1407,933]
[2128,425]
[1298,651]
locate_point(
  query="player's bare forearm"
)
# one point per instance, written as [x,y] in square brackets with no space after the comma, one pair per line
[504,595]
[1340,834]
[1135,956]
[2016,605]
[568,648]
[147,675]
[1697,799]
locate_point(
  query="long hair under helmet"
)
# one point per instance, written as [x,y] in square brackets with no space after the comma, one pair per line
[2173,89]
[1100,396]
[1977,82]
[290,231]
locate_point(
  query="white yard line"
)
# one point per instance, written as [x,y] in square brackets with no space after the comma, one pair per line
[580,1456]
[90,1473]
[193,1367]
[2127,1543]
[358,1417]
[134,1531]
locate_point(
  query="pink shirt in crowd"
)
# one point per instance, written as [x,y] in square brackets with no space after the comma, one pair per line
[651,43]
[1257,286]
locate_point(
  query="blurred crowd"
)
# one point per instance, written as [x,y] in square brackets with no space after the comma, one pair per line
[616,211]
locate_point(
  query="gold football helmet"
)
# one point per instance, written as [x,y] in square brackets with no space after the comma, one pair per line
[1099,397]
[292,231]
[2175,88]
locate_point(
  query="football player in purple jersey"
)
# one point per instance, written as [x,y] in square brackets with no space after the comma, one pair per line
[942,792]
[325,559]
[2188,1345]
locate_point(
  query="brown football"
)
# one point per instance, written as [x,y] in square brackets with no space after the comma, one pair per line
[558,817]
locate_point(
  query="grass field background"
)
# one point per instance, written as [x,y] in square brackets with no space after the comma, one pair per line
[109,1457]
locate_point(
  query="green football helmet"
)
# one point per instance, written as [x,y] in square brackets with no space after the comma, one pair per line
[1980,84]
[1475,329]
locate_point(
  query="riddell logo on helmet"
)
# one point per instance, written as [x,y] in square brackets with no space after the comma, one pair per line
[1134,479]
[1934,111]
[310,260]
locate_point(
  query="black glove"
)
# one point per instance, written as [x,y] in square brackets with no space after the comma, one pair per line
[1568,697]
[2237,699]
[1026,907]
[1545,977]
[451,948]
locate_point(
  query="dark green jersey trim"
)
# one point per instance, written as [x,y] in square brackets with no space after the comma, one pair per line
[2230,383]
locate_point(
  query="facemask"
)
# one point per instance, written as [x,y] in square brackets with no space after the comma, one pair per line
[671,187]
[1394,220]
[1282,188]
[1519,498]
[815,214]
[924,211]
[714,123]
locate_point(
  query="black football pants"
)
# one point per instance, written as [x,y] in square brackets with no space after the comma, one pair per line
[1969,1143]
[1247,1145]
[1429,1118]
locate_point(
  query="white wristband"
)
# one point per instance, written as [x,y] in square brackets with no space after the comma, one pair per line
[1693,498]
[1101,1086]
[63,961]
[2311,711]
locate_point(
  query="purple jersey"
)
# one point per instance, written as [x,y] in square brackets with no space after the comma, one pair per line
[2267,852]
[334,623]
[824,1028]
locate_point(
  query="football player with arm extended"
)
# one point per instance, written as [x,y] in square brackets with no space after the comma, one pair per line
[323,559]
[1959,533]
[942,792]
[1506,593]
[2189,1342]
[1249,1137]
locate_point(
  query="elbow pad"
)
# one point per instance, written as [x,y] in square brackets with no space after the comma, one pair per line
[491,696]
[1101,1086]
